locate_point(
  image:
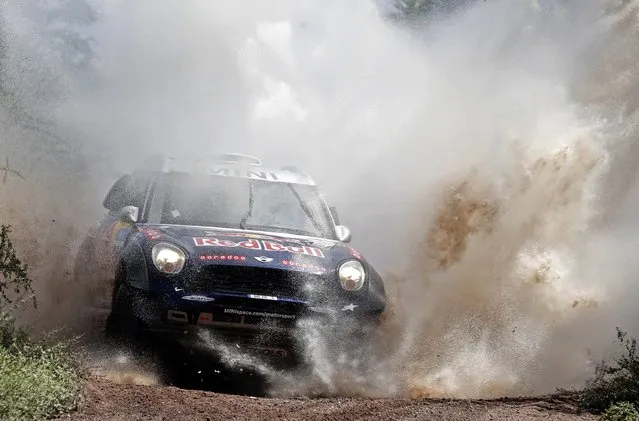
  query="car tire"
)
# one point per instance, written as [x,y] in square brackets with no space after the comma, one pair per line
[123,327]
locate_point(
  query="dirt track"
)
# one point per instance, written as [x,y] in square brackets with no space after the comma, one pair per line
[109,401]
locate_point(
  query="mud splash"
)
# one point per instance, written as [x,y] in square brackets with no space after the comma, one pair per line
[123,367]
[496,274]
[488,170]
[493,280]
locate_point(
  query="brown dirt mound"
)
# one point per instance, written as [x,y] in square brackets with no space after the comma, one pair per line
[107,401]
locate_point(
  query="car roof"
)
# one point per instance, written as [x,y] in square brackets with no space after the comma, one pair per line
[228,165]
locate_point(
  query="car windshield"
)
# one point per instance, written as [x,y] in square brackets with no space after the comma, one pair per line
[234,202]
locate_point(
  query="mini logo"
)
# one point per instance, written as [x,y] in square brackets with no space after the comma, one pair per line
[264,259]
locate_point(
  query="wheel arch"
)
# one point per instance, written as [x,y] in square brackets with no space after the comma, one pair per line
[132,266]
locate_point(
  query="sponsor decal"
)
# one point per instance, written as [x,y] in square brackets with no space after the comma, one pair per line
[114,235]
[322,310]
[306,250]
[121,234]
[240,235]
[199,298]
[151,234]
[253,244]
[350,307]
[264,259]
[237,172]
[319,242]
[258,313]
[109,233]
[225,257]
[355,253]
[268,352]
[205,319]
[263,297]
[301,265]
[216,242]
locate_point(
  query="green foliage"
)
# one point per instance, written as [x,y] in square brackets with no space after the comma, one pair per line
[62,24]
[50,57]
[13,273]
[616,382]
[37,380]
[414,12]
[622,411]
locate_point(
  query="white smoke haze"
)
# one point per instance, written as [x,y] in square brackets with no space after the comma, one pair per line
[486,164]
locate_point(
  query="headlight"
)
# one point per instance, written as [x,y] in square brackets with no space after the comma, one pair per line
[351,275]
[168,258]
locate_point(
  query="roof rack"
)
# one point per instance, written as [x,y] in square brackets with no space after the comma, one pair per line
[243,164]
[236,158]
[163,163]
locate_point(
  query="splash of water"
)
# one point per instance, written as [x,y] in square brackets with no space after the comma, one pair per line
[495,298]
[123,367]
[487,168]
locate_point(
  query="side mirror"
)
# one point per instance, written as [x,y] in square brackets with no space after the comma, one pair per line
[343,233]
[129,214]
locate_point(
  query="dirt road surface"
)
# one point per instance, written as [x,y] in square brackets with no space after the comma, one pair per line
[108,401]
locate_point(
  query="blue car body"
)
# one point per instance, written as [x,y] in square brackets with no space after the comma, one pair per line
[241,282]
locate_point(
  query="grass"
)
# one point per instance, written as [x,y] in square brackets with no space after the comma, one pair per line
[38,380]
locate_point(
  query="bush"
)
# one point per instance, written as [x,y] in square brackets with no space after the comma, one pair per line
[623,411]
[613,383]
[13,273]
[37,380]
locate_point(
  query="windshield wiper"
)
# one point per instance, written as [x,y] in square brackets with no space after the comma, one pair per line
[249,211]
[307,211]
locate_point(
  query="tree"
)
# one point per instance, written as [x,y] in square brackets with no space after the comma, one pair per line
[46,50]
[415,12]
[67,24]
[46,53]
[14,277]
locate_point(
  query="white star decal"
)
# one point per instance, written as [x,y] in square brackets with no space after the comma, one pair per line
[350,307]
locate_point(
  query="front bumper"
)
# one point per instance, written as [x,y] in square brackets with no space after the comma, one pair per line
[260,324]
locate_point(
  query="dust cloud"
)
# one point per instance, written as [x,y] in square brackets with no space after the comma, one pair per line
[485,162]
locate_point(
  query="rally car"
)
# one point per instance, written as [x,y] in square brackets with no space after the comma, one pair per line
[228,245]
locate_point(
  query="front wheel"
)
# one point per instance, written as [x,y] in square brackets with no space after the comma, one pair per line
[123,327]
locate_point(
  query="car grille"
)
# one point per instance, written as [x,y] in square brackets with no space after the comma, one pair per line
[256,280]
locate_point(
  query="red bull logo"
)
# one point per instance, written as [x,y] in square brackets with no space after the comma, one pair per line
[252,244]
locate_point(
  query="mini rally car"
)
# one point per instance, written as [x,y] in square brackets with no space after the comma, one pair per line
[227,245]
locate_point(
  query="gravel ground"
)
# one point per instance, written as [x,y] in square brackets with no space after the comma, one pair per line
[108,401]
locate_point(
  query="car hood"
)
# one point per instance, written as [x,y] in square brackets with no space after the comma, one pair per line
[253,248]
